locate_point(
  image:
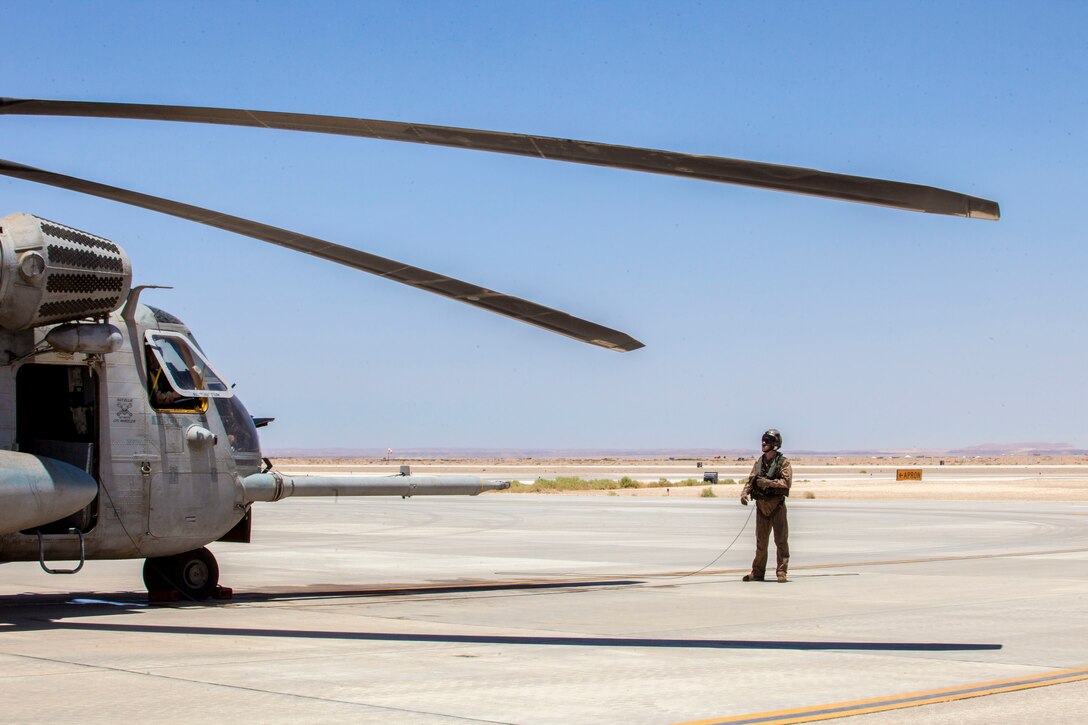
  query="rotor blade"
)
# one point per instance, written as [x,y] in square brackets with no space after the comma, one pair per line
[899,195]
[490,300]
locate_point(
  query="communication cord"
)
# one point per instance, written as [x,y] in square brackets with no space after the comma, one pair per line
[719,556]
[139,550]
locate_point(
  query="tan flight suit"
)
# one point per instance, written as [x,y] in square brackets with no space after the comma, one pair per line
[770,512]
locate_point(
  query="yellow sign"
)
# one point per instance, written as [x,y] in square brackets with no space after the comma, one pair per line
[908,474]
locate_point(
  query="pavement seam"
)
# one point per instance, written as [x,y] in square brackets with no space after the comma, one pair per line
[443,591]
[171,678]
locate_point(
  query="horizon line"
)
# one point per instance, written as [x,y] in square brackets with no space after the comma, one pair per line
[1038,449]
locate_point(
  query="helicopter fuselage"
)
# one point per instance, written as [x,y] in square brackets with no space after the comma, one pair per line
[169,469]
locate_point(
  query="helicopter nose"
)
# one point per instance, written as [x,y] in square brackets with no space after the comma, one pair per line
[35,490]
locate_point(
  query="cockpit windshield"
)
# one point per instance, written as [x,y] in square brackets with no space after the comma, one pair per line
[183,367]
[241,433]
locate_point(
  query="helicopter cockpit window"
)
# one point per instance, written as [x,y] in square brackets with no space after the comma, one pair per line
[179,376]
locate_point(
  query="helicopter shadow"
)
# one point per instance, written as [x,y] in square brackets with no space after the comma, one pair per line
[22,610]
[30,612]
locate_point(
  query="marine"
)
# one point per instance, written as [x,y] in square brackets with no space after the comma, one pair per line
[769,485]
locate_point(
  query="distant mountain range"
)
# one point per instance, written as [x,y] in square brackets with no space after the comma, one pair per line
[985,449]
[1022,449]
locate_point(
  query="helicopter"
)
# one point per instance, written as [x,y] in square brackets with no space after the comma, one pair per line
[118,437]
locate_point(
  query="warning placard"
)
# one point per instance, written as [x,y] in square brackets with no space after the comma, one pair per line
[908,474]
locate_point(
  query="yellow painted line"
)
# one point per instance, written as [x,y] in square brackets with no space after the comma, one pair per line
[898,702]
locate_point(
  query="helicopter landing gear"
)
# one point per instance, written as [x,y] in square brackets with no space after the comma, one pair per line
[192,575]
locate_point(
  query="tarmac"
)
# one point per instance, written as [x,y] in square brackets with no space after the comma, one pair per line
[586,609]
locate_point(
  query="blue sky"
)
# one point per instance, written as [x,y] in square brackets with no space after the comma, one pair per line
[844,325]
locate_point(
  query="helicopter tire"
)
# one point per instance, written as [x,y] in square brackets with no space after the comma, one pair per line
[196,574]
[156,571]
[193,574]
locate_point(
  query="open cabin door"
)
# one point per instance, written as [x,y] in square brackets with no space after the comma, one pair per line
[56,417]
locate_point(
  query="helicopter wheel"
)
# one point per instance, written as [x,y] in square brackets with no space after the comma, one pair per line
[195,574]
[156,571]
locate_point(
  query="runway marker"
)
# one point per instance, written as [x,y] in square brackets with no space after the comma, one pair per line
[897,702]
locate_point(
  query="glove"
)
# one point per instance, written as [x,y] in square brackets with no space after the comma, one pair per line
[766,487]
[744,500]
